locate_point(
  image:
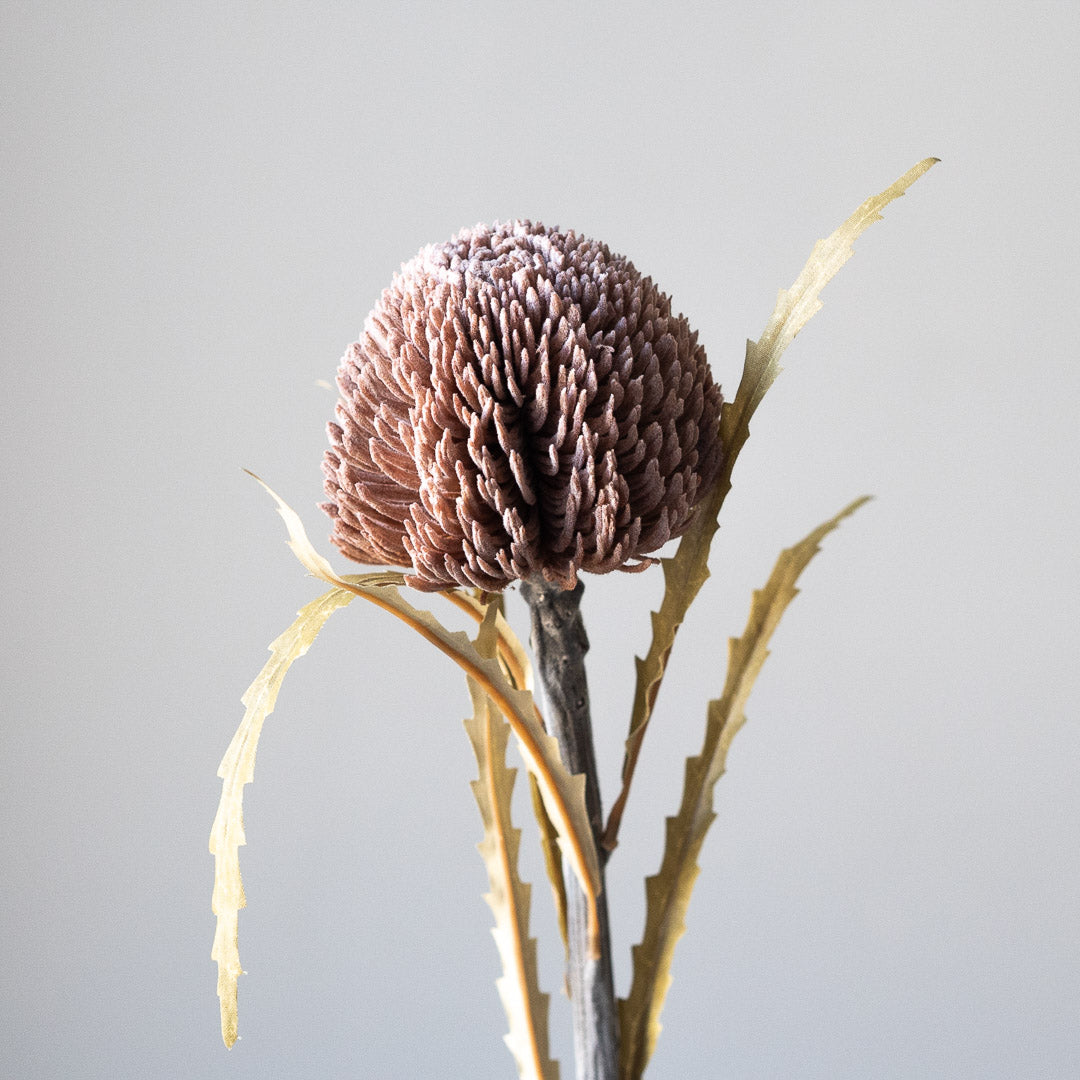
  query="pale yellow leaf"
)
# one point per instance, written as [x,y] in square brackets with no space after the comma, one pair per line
[687,571]
[511,652]
[797,305]
[563,794]
[517,665]
[553,864]
[668,892]
[237,769]
[509,898]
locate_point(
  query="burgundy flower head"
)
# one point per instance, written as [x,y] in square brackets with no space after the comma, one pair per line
[522,403]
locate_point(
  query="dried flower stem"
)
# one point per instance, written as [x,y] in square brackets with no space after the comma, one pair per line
[560,643]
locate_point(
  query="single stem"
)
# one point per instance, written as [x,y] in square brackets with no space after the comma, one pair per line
[559,644]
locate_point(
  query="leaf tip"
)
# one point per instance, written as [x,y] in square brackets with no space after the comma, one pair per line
[913,174]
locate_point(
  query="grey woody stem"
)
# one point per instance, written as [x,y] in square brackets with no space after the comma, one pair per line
[559,645]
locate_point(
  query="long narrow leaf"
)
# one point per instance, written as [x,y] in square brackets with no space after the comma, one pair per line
[517,665]
[668,892]
[687,571]
[563,794]
[797,305]
[509,899]
[509,649]
[237,769]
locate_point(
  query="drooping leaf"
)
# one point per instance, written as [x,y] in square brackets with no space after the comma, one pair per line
[509,899]
[668,892]
[563,794]
[509,649]
[687,571]
[518,667]
[237,769]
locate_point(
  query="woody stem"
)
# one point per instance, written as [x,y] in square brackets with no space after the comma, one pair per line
[559,644]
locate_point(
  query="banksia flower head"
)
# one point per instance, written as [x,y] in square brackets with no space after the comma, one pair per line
[522,403]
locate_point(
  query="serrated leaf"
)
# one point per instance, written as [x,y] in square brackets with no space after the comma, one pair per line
[684,574]
[687,571]
[518,667]
[563,794]
[509,899]
[797,305]
[236,770]
[553,864]
[668,892]
[509,649]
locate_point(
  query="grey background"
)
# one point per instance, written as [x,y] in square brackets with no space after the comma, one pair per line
[201,201]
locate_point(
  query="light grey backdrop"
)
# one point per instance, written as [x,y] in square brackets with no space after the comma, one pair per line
[200,203]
